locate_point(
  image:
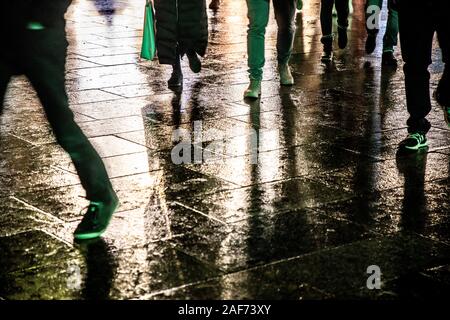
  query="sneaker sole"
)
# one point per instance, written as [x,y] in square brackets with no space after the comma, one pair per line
[87,236]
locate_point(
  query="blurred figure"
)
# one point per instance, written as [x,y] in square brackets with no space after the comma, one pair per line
[418,22]
[258,14]
[373,13]
[35,45]
[214,4]
[326,22]
[181,28]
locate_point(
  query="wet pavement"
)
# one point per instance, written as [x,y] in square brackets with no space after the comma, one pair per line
[327,197]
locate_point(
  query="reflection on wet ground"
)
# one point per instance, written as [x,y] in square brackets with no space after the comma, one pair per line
[327,197]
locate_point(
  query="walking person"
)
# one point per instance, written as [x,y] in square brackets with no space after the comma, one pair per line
[419,20]
[258,15]
[326,22]
[35,45]
[181,29]
[373,13]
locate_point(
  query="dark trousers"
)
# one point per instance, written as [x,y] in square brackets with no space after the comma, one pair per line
[40,55]
[418,22]
[326,16]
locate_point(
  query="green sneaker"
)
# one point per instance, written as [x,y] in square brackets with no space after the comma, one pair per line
[96,219]
[414,142]
[254,90]
[299,5]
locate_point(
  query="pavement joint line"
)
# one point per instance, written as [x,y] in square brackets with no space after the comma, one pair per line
[201,213]
[23,139]
[56,237]
[36,209]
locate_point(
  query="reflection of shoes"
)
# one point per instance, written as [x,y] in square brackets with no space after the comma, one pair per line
[194,61]
[388,60]
[342,37]
[414,142]
[286,78]
[299,5]
[254,89]
[176,79]
[445,106]
[96,219]
[371,43]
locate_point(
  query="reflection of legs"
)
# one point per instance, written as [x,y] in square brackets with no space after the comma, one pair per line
[258,15]
[285,16]
[46,73]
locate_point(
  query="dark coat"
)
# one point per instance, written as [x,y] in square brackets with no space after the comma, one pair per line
[182,23]
[16,14]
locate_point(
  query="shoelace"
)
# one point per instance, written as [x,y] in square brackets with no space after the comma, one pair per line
[419,137]
[93,209]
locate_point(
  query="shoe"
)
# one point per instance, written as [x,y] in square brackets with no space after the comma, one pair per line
[342,37]
[96,219]
[327,49]
[371,43]
[414,142]
[327,56]
[443,104]
[254,89]
[194,61]
[176,79]
[286,77]
[388,59]
[299,5]
[214,5]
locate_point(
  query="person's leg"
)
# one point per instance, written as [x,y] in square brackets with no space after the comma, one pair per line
[416,36]
[373,16]
[5,76]
[285,16]
[442,93]
[342,7]
[391,35]
[45,67]
[192,31]
[326,23]
[258,15]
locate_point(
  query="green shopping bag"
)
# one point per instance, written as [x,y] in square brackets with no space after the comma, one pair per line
[148,48]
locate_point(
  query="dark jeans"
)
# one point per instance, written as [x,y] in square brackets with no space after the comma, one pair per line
[40,55]
[418,22]
[258,15]
[326,16]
